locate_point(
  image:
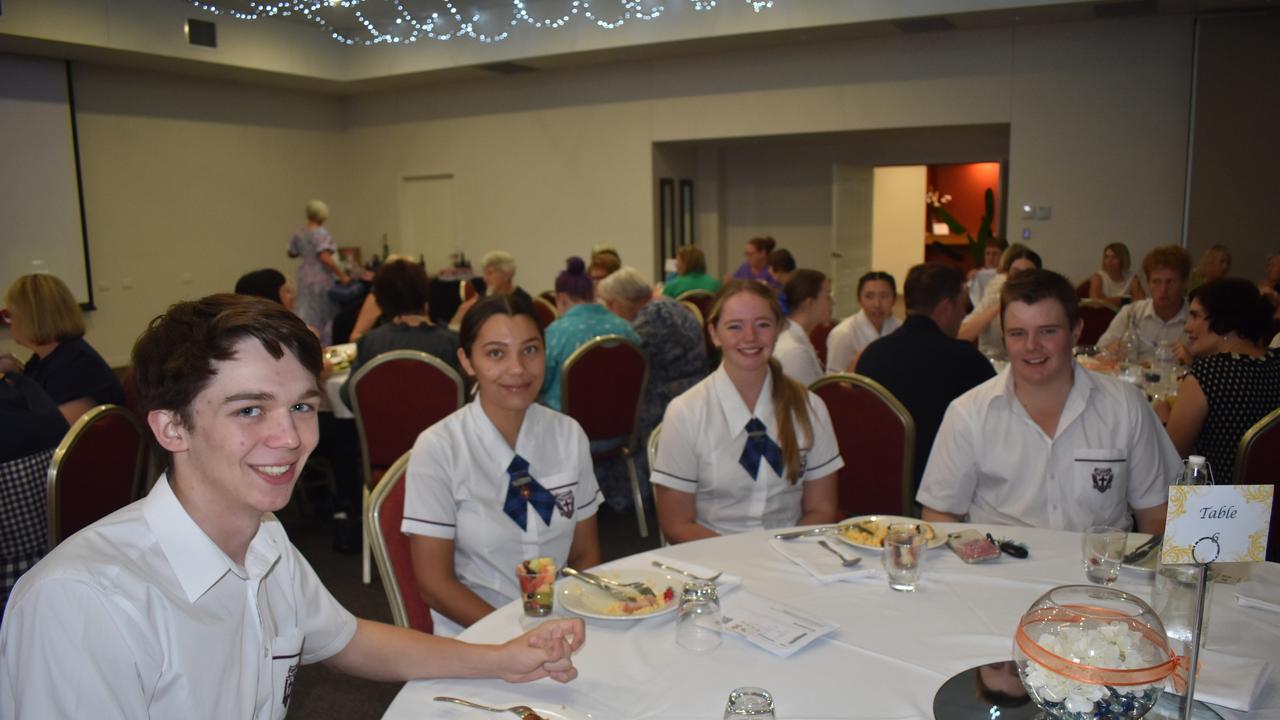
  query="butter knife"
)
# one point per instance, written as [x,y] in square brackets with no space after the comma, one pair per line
[819,530]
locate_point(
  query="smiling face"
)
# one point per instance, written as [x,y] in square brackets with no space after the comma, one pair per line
[746,331]
[876,299]
[507,361]
[1038,342]
[1166,286]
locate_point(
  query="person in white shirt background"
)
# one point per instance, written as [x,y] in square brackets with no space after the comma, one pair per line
[1161,317]
[748,447]
[1047,443]
[808,295]
[877,292]
[192,602]
[499,481]
[983,323]
[980,277]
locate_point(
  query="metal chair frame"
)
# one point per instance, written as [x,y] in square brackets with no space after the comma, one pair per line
[1247,441]
[540,301]
[53,504]
[653,457]
[697,314]
[378,544]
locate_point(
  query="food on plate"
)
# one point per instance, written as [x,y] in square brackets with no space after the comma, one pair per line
[537,579]
[642,605]
[872,532]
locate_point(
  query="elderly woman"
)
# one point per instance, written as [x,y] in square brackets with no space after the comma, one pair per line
[1234,379]
[46,320]
[317,271]
[691,273]
[499,271]
[1114,281]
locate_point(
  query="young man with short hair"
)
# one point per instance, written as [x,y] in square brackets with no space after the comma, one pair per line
[192,602]
[1160,317]
[1047,443]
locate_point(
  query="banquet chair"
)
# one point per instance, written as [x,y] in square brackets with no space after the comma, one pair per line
[1257,458]
[1082,290]
[96,470]
[818,336]
[1097,316]
[877,440]
[390,546]
[601,386]
[700,298]
[653,457]
[153,460]
[546,311]
[692,307]
[396,396]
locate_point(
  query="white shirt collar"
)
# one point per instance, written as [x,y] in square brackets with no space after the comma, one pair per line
[1077,399]
[1148,310]
[735,410]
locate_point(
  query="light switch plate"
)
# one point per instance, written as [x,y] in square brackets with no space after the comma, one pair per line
[1043,212]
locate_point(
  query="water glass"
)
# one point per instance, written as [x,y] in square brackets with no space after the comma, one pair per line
[904,550]
[1102,549]
[698,620]
[749,702]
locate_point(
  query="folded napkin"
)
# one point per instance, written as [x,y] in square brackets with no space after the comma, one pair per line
[1230,680]
[824,566]
[724,583]
[1262,590]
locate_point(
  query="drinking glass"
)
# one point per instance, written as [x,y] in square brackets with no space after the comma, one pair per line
[1102,549]
[904,549]
[698,620]
[537,578]
[749,702]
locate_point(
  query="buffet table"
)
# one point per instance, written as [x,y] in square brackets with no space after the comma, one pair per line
[888,658]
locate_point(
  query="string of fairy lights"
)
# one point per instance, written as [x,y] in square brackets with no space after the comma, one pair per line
[392,21]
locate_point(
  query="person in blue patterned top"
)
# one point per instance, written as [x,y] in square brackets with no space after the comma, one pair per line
[581,319]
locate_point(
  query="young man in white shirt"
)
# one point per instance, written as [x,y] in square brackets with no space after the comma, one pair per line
[1046,443]
[192,602]
[1161,316]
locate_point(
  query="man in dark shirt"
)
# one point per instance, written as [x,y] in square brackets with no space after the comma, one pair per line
[922,363]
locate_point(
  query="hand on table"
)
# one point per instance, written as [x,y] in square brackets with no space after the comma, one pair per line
[545,651]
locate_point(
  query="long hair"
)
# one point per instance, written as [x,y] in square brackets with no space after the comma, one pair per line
[790,398]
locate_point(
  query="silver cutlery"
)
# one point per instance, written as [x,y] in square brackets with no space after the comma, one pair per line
[686,573]
[1141,552]
[819,530]
[847,562]
[524,711]
[627,592]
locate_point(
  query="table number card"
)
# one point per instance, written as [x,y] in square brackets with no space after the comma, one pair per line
[1236,516]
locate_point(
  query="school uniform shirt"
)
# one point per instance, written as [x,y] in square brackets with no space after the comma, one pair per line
[141,615]
[851,336]
[796,353]
[991,340]
[703,435]
[457,483]
[1151,328]
[993,463]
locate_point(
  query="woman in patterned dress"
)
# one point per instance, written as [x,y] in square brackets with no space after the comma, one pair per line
[317,270]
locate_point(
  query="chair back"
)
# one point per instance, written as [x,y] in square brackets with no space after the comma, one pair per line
[692,307]
[546,311]
[391,549]
[818,336]
[1257,459]
[601,386]
[96,470]
[549,296]
[396,396]
[702,299]
[877,440]
[1097,316]
[653,445]
[1082,290]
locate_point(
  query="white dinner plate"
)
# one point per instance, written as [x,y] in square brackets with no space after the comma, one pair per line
[938,540]
[590,601]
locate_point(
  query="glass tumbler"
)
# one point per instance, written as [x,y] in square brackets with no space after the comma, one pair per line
[698,620]
[1101,550]
[904,550]
[749,702]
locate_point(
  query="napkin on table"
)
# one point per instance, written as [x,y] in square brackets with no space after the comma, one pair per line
[820,563]
[1230,680]
[1262,590]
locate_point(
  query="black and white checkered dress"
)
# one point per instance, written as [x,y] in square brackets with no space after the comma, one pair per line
[1241,391]
[23,520]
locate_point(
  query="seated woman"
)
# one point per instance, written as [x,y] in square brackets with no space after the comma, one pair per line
[983,324]
[581,319]
[748,447]
[46,319]
[1234,380]
[270,284]
[603,264]
[691,273]
[877,292]
[1114,282]
[500,481]
[808,294]
[1215,264]
[401,288]
[498,268]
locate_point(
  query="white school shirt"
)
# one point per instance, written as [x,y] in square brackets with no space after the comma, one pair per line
[992,337]
[795,351]
[1152,330]
[457,483]
[978,285]
[141,615]
[851,336]
[992,462]
[703,434]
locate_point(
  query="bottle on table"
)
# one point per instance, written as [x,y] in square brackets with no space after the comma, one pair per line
[1173,595]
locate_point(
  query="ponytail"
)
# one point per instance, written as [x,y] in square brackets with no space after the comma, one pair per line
[790,405]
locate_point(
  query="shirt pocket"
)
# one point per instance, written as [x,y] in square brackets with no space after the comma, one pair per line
[1101,478]
[286,656]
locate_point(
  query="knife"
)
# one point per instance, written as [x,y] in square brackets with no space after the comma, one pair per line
[819,530]
[1141,552]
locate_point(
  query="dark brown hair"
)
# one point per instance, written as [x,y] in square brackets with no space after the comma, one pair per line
[401,288]
[928,284]
[265,283]
[694,259]
[1032,286]
[1235,305]
[790,398]
[878,275]
[763,244]
[801,286]
[489,306]
[780,260]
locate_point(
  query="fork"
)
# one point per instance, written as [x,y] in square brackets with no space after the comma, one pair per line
[524,711]
[621,591]
[847,562]
[686,573]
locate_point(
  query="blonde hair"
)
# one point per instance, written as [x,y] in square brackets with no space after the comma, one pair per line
[46,309]
[626,285]
[501,261]
[790,398]
[317,211]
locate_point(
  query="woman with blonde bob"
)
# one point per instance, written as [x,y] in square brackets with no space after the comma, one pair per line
[1114,282]
[748,447]
[46,320]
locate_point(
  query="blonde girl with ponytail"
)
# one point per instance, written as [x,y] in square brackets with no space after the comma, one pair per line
[748,447]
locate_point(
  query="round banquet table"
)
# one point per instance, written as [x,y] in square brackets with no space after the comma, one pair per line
[888,658]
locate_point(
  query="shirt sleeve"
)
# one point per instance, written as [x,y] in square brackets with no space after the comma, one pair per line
[1153,460]
[824,457]
[324,241]
[429,505]
[1116,329]
[951,475]
[676,464]
[840,349]
[326,625]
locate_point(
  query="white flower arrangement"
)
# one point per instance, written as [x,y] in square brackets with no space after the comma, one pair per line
[1112,646]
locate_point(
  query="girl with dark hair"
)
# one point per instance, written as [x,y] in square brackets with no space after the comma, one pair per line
[581,319]
[877,292]
[269,284]
[500,481]
[748,447]
[755,265]
[1234,380]
[808,295]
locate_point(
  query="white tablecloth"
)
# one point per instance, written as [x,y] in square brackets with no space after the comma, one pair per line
[888,659]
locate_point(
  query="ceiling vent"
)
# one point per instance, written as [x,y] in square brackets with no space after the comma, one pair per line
[937,23]
[202,32]
[507,68]
[1125,9]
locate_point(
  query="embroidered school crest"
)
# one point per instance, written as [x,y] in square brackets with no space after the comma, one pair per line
[1102,478]
[564,503]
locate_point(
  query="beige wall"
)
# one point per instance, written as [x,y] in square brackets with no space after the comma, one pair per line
[896,242]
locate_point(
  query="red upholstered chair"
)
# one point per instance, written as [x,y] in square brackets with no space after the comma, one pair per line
[702,299]
[877,440]
[1257,463]
[547,313]
[693,309]
[818,336]
[96,470]
[601,386]
[1082,290]
[549,296]
[396,396]
[1097,316]
[391,549]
